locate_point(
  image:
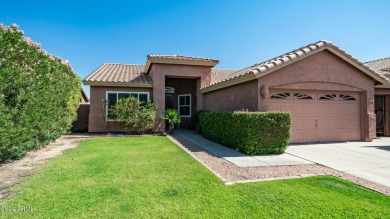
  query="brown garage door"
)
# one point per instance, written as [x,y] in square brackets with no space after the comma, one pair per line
[320,116]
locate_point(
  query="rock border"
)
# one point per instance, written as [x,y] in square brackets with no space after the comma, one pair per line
[232,174]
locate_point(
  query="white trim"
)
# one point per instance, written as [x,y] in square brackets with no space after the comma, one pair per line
[122,92]
[178,104]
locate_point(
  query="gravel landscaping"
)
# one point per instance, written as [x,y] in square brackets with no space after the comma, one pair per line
[230,173]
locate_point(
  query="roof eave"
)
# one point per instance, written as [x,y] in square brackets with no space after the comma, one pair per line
[152,60]
[330,47]
[118,84]
[257,73]
[228,83]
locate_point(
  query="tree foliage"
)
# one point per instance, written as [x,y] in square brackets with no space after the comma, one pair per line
[39,94]
[137,117]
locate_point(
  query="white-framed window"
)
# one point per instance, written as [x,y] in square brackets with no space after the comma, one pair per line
[112,98]
[184,105]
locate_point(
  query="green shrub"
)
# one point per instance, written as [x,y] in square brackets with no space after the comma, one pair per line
[137,117]
[248,132]
[172,117]
[39,95]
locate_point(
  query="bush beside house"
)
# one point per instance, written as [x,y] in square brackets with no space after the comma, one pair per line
[248,132]
[137,117]
[39,95]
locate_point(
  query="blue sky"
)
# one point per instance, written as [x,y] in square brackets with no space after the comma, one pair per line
[238,33]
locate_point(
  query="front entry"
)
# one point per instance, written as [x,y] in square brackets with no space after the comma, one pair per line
[380,114]
[169,101]
[320,116]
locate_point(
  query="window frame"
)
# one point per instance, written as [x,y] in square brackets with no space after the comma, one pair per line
[123,92]
[179,105]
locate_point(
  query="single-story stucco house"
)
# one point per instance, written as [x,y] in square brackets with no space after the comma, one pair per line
[331,95]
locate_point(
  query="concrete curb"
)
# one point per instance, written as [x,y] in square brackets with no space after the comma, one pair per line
[272,179]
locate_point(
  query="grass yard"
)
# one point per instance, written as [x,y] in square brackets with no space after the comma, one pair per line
[151,177]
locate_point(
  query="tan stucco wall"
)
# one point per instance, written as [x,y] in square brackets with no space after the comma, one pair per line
[325,71]
[97,122]
[159,72]
[238,97]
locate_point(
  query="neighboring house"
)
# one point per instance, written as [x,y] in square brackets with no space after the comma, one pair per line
[84,97]
[382,97]
[329,93]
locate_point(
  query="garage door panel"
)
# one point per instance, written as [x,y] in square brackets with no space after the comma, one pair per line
[322,123]
[298,123]
[310,136]
[332,109]
[322,135]
[332,135]
[311,109]
[347,109]
[299,109]
[274,108]
[285,108]
[315,120]
[298,136]
[310,123]
[353,122]
[344,135]
[344,123]
[332,123]
[354,135]
[322,110]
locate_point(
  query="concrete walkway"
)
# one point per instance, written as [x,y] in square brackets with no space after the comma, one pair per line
[238,158]
[368,160]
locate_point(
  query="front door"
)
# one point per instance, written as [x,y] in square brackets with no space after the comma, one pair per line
[169,104]
[169,101]
[380,114]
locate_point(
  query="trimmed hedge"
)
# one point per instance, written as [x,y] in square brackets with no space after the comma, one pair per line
[39,95]
[248,132]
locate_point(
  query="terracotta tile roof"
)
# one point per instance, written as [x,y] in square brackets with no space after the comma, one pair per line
[119,73]
[382,66]
[263,68]
[186,58]
[220,74]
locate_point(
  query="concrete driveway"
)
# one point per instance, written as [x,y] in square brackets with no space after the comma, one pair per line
[368,160]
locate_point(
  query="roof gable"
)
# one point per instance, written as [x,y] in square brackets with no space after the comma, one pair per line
[269,66]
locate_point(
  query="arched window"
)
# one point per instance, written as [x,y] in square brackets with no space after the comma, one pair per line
[328,97]
[302,96]
[346,97]
[281,96]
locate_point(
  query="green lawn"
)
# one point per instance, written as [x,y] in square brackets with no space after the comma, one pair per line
[143,177]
